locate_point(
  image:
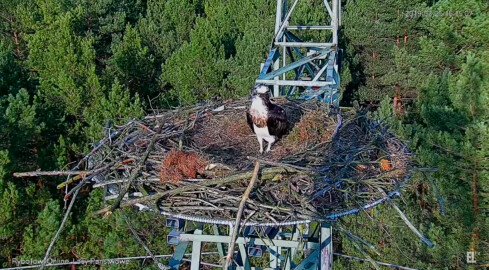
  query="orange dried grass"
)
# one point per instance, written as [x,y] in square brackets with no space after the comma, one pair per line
[179,165]
[385,165]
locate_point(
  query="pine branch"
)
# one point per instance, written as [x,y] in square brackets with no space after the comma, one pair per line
[279,164]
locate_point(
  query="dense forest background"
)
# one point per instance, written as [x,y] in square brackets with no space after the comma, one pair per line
[67,66]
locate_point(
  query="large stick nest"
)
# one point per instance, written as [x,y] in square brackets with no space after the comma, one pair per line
[202,161]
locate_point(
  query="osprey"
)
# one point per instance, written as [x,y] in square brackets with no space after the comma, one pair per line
[268,121]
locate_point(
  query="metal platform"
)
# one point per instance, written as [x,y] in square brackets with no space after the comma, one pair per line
[303,69]
[311,241]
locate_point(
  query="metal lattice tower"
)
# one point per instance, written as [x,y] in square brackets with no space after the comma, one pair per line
[293,63]
[293,67]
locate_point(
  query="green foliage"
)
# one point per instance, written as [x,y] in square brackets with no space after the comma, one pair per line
[20,129]
[132,63]
[9,71]
[65,63]
[111,237]
[196,70]
[67,67]
[446,127]
[166,26]
[251,45]
[9,220]
[37,236]
[117,106]
[373,28]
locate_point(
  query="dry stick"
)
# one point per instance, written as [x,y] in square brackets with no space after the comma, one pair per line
[122,180]
[406,220]
[135,172]
[232,178]
[60,229]
[279,164]
[79,174]
[246,194]
[88,176]
[50,173]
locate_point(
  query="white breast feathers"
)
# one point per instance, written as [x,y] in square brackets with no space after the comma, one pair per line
[258,109]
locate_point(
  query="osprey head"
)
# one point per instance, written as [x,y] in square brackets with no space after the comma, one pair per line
[260,89]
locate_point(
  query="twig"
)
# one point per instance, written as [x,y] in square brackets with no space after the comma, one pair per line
[368,258]
[358,238]
[279,164]
[86,177]
[50,173]
[268,172]
[377,262]
[116,181]
[229,256]
[408,223]
[135,171]
[437,192]
[60,229]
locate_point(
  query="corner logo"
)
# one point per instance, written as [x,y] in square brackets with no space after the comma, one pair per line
[471,257]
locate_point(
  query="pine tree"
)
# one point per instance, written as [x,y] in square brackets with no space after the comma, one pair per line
[196,70]
[132,63]
[65,63]
[166,27]
[37,236]
[117,106]
[374,28]
[9,218]
[9,70]
[251,45]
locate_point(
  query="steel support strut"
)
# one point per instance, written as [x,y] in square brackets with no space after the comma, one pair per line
[310,244]
[290,61]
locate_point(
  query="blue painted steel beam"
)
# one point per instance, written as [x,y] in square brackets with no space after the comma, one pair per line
[307,95]
[295,64]
[326,254]
[220,247]
[273,55]
[296,50]
[177,257]
[196,248]
[244,257]
[295,38]
[186,237]
[310,262]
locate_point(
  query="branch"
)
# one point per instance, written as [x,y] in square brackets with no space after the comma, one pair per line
[279,164]
[240,213]
[265,173]
[406,220]
[136,170]
[91,173]
[60,229]
[50,173]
